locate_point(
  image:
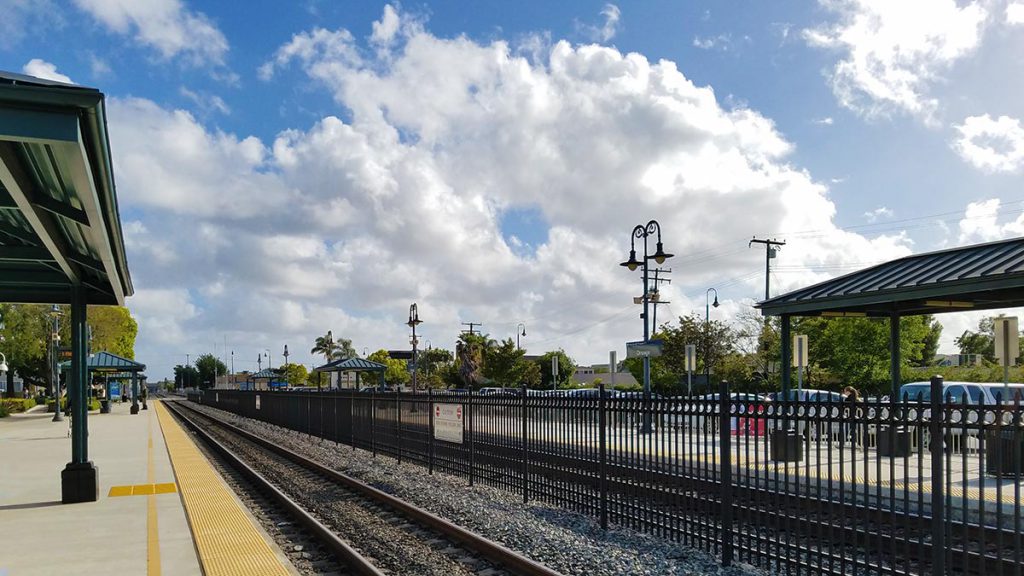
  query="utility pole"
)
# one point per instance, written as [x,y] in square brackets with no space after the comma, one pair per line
[770,252]
[471,325]
[656,300]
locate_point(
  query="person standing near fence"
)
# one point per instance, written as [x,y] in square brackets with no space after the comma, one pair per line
[851,397]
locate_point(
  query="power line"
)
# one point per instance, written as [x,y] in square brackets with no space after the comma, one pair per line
[471,325]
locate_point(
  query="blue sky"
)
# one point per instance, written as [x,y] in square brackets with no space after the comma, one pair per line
[288,169]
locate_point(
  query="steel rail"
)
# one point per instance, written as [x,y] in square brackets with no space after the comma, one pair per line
[489,549]
[353,560]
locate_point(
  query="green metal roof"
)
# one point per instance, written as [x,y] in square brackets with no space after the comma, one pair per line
[59,220]
[978,277]
[351,365]
[265,374]
[107,362]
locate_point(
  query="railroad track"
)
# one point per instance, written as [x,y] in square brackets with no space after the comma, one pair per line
[371,531]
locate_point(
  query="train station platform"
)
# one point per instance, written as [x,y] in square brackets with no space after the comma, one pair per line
[162,509]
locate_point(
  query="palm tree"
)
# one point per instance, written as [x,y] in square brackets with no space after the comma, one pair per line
[327,346]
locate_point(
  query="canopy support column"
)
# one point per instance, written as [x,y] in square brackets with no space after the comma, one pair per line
[135,393]
[80,478]
[894,353]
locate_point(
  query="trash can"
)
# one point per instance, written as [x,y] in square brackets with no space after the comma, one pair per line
[104,406]
[1004,452]
[894,441]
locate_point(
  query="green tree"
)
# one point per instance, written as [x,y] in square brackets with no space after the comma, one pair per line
[209,367]
[434,360]
[397,373]
[981,342]
[566,369]
[24,336]
[186,377]
[113,330]
[471,350]
[332,349]
[506,366]
[295,374]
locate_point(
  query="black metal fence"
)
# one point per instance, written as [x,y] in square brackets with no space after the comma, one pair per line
[879,487]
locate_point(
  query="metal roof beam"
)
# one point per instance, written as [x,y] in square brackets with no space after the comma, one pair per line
[19,233]
[25,253]
[60,209]
[80,172]
[20,187]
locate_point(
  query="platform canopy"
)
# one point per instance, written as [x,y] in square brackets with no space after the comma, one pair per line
[352,365]
[265,374]
[979,277]
[109,364]
[59,221]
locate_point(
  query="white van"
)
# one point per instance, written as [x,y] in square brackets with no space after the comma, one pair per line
[971,393]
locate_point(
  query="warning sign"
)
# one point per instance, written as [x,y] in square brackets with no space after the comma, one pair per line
[448,422]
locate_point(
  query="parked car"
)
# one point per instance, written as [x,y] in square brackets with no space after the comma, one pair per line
[820,407]
[701,413]
[970,393]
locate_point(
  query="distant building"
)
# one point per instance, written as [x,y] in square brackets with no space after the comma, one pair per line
[958,359]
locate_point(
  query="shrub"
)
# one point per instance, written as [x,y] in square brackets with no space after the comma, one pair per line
[14,405]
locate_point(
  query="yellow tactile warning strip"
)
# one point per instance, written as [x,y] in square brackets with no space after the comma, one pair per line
[153,566]
[143,489]
[227,541]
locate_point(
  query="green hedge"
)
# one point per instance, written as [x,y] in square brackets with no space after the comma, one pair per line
[94,404]
[14,405]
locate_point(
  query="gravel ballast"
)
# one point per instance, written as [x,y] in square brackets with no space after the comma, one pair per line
[570,543]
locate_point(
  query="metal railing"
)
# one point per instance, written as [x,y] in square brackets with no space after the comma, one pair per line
[878,487]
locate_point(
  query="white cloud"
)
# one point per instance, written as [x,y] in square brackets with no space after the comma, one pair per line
[206,103]
[606,31]
[721,42]
[826,121]
[45,70]
[878,213]
[981,223]
[1015,13]
[164,25]
[894,52]
[100,68]
[344,223]
[992,145]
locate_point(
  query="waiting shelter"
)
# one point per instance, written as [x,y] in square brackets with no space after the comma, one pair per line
[60,229]
[979,277]
[268,375]
[357,365]
[117,368]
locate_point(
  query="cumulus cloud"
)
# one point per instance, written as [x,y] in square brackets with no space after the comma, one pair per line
[892,53]
[991,144]
[981,223]
[205,102]
[167,26]
[45,70]
[344,223]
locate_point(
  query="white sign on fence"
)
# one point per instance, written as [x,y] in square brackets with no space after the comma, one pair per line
[691,357]
[257,401]
[448,422]
[1007,343]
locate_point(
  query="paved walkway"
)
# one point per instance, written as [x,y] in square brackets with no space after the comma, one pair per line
[137,527]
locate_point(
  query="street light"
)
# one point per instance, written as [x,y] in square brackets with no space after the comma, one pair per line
[519,327]
[54,341]
[707,334]
[414,320]
[3,364]
[659,256]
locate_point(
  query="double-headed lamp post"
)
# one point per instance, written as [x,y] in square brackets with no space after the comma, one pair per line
[54,346]
[659,256]
[520,331]
[707,334]
[414,320]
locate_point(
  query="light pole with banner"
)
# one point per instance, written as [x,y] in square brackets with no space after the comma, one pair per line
[659,256]
[799,360]
[54,373]
[414,321]
[1007,348]
[520,328]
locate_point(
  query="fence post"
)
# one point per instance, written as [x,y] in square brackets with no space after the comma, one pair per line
[526,451]
[725,462]
[602,421]
[430,431]
[938,479]
[472,448]
[398,424]
[373,416]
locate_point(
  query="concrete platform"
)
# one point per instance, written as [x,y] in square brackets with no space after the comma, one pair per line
[139,528]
